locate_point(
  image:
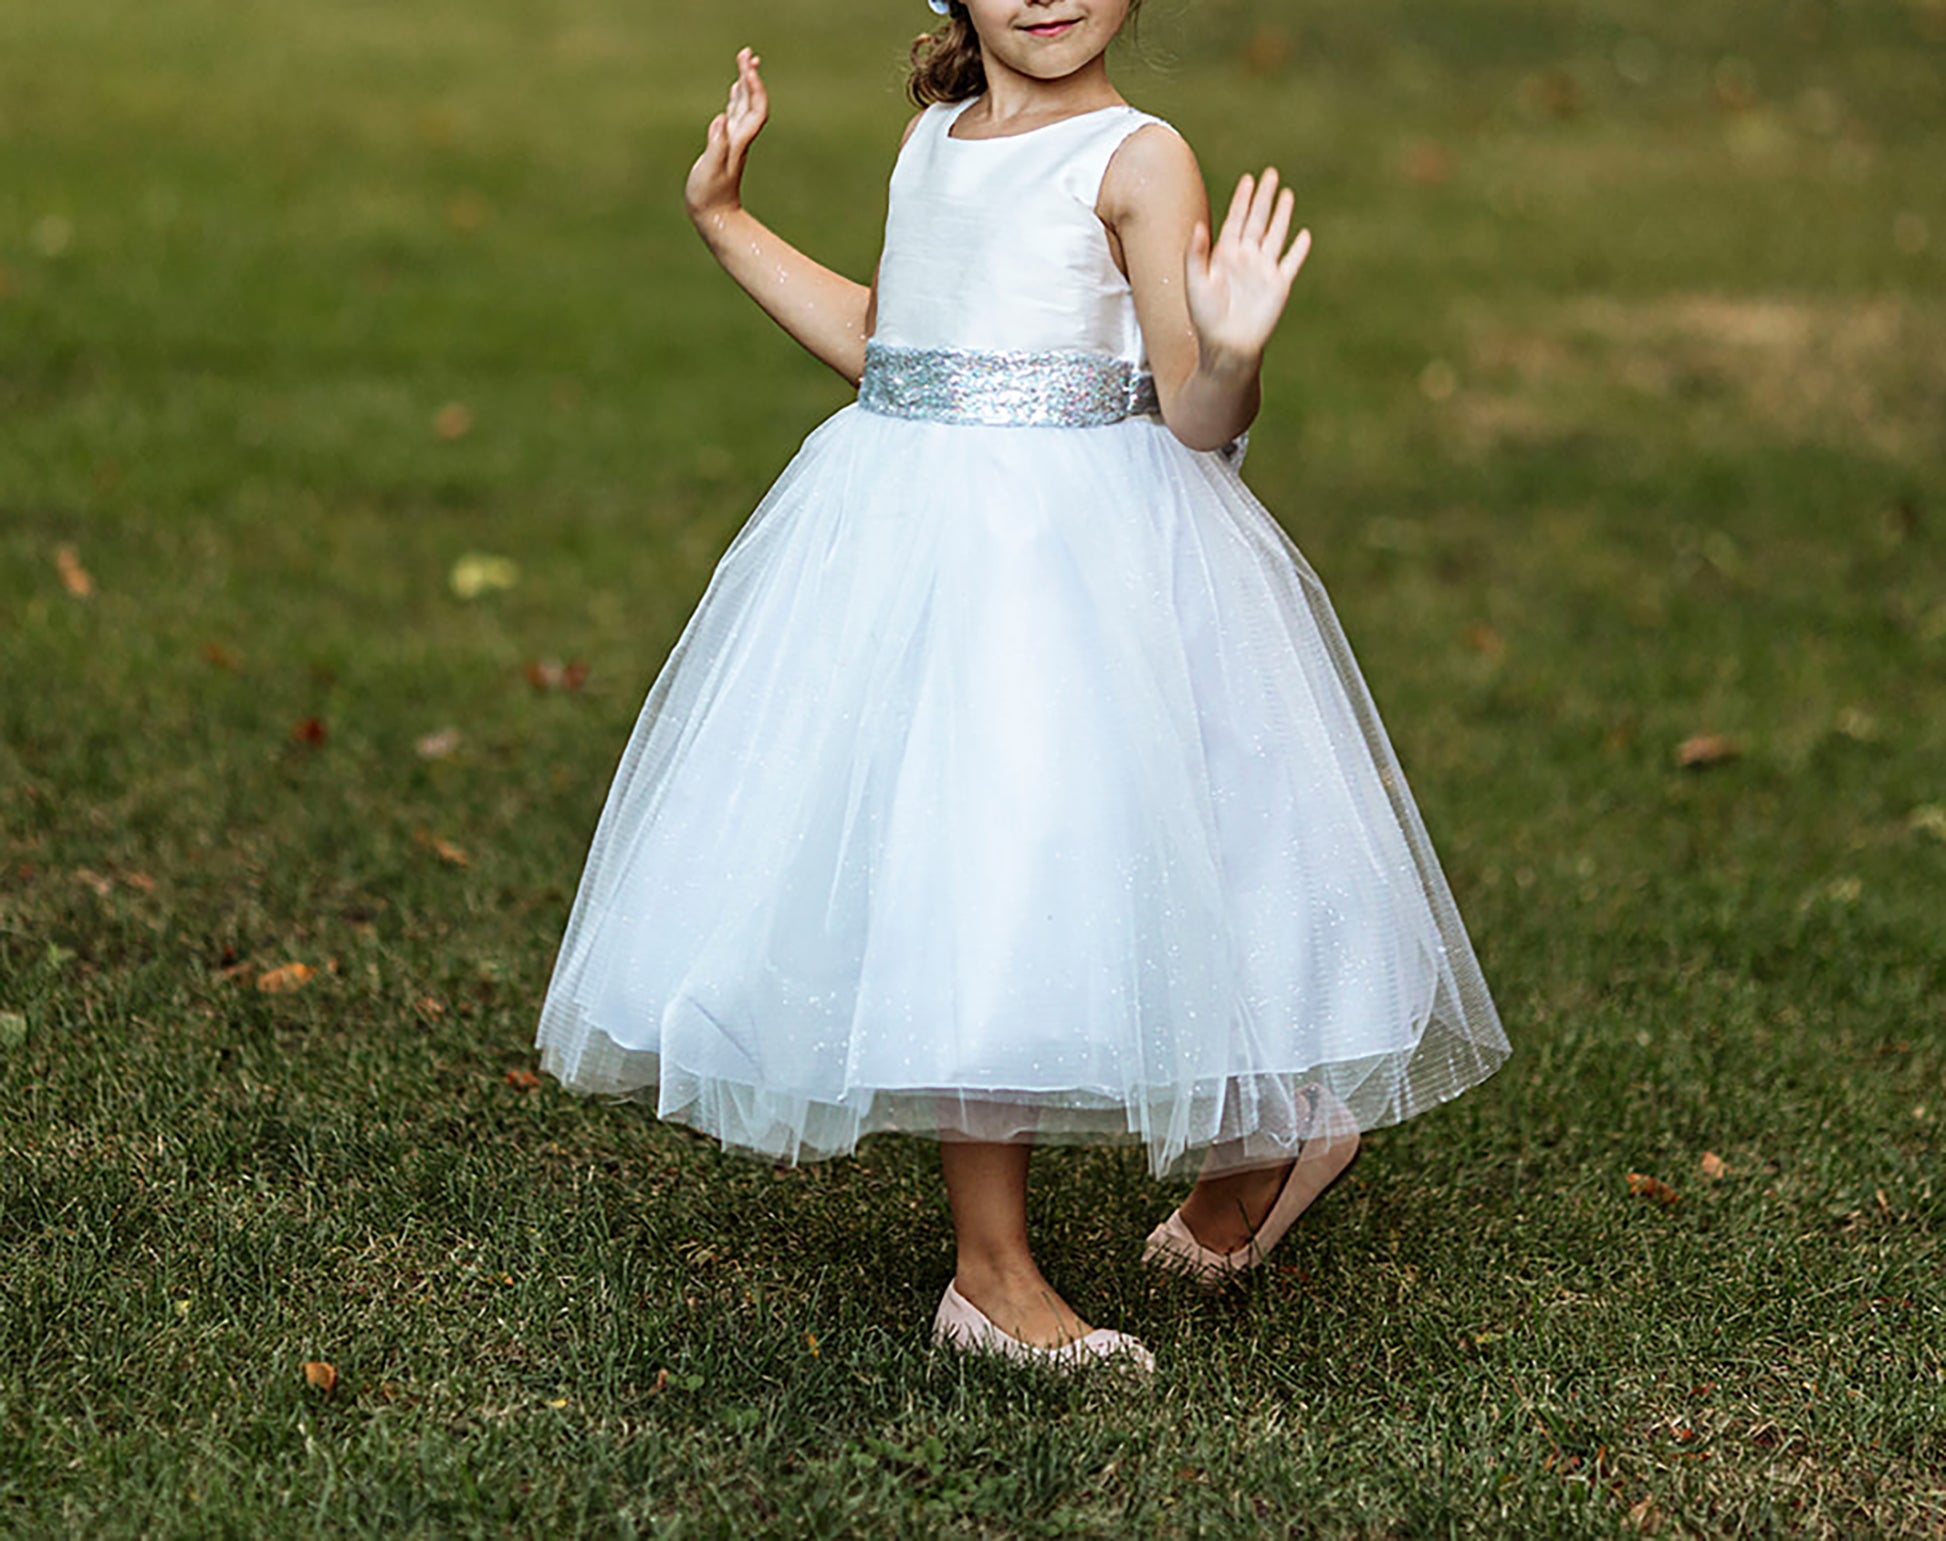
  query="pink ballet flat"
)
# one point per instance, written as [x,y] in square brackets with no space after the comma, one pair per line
[1172,1245]
[961,1324]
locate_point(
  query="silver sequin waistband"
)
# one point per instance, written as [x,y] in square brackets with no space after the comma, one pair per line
[1010,390]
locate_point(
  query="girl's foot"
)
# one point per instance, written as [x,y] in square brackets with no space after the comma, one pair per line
[1018,1300]
[964,1326]
[1223,1213]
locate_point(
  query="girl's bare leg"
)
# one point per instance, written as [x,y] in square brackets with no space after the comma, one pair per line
[987,1187]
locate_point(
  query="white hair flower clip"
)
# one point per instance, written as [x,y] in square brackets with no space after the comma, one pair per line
[940,7]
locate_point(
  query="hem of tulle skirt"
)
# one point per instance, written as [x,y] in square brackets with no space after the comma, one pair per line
[1184,1136]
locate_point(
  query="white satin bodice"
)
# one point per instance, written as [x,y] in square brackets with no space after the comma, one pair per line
[994,244]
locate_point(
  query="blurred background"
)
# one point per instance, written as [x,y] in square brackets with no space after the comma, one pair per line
[371,421]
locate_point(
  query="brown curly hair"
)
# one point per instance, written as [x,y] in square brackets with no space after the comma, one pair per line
[946,62]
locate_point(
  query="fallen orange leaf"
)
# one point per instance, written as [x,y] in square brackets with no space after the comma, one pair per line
[74,577]
[444,849]
[1643,1186]
[1482,638]
[285,977]
[1714,1166]
[1706,749]
[1428,163]
[552,674]
[660,1384]
[308,730]
[523,1080]
[452,421]
[139,880]
[1268,50]
[320,1374]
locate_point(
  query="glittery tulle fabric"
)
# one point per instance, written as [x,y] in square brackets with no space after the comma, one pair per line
[1014,784]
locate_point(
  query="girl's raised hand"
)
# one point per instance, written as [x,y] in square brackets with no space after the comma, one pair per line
[1237,289]
[716,180]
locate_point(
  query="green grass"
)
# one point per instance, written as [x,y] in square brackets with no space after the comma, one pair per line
[1611,411]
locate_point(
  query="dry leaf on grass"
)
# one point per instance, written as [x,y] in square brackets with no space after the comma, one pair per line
[552,674]
[139,880]
[1928,820]
[74,577]
[444,849]
[523,1080]
[285,977]
[1643,1186]
[1427,163]
[321,1375]
[467,210]
[103,886]
[308,730]
[1706,749]
[478,572]
[216,653]
[660,1384]
[1714,1166]
[452,421]
[436,746]
[1267,51]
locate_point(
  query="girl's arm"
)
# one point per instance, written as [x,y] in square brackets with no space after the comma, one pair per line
[825,311]
[1206,311]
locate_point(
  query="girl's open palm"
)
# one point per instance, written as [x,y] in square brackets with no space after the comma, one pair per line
[1236,290]
[716,180]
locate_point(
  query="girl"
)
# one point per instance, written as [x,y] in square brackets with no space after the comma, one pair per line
[1012,781]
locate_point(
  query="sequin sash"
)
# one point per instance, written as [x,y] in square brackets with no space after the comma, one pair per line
[1011,390]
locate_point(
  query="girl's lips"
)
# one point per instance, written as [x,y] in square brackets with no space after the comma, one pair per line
[1051,28]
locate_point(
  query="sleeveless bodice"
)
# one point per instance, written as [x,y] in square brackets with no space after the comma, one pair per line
[994,244]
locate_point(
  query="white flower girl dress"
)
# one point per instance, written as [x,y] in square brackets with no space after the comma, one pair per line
[1012,779]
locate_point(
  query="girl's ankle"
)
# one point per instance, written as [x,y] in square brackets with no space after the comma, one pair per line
[998,1272]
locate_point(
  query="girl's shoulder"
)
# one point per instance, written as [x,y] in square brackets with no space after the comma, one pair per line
[912,123]
[1151,163]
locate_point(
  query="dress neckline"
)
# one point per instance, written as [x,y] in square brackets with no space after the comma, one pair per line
[1025,132]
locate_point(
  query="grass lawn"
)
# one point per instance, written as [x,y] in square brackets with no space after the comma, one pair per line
[1611,409]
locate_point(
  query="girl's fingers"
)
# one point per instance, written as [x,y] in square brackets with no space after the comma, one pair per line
[749,103]
[740,87]
[1239,210]
[1260,206]
[1294,258]
[1280,222]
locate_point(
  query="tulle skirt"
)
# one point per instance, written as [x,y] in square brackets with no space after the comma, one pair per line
[1014,784]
